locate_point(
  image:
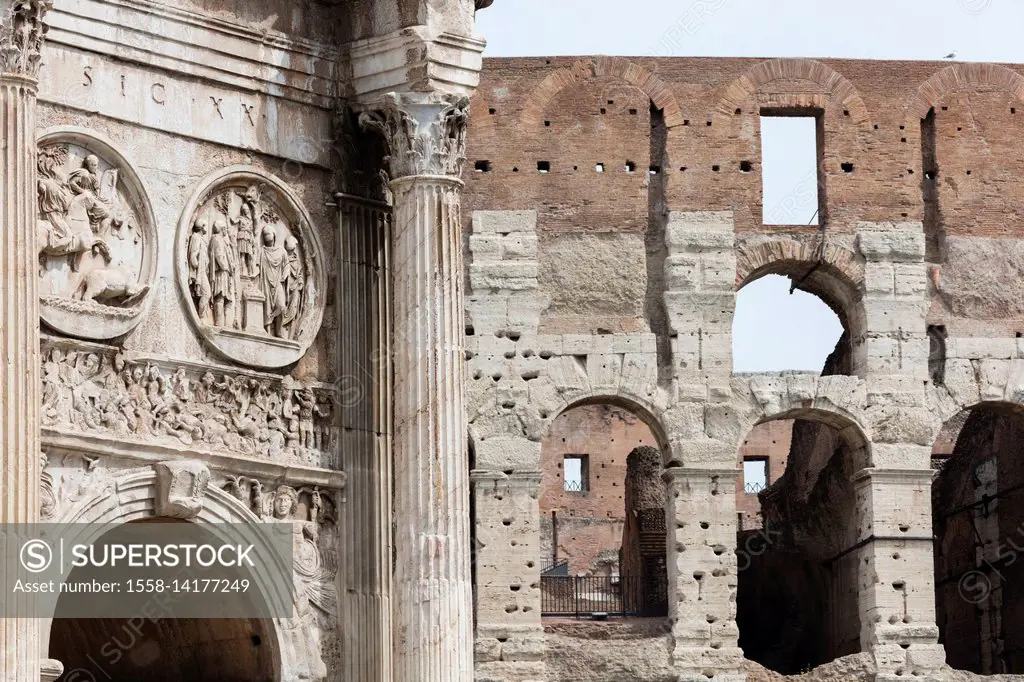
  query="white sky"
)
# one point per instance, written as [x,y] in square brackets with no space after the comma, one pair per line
[772,330]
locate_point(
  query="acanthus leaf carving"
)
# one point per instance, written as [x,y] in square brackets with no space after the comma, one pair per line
[22,31]
[425,134]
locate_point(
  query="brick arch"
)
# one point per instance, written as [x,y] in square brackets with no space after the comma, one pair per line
[835,275]
[841,91]
[958,76]
[614,67]
[649,411]
[752,260]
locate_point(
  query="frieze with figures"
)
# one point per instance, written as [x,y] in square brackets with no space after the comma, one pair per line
[103,392]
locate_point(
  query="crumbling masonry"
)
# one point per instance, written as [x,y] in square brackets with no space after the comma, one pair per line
[613,208]
[264,251]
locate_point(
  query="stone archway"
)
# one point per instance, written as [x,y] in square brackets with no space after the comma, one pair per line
[229,649]
[797,596]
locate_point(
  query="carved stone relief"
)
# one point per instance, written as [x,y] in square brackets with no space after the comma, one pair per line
[251,267]
[311,633]
[96,235]
[97,390]
[181,485]
[425,133]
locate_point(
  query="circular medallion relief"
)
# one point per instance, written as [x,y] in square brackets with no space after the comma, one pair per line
[96,236]
[251,268]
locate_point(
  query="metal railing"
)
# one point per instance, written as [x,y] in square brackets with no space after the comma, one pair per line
[559,569]
[573,486]
[583,596]
[754,487]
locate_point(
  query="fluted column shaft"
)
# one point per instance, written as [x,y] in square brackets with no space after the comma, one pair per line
[366,438]
[433,588]
[20,645]
[22,30]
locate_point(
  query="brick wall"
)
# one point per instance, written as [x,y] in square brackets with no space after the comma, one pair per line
[590,523]
[696,122]
[770,441]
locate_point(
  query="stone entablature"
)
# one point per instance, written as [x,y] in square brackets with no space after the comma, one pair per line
[216,81]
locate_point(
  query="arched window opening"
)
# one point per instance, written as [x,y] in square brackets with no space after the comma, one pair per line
[797,604]
[777,328]
[978,523]
[602,504]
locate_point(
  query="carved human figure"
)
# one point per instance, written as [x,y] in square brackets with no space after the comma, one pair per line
[56,199]
[47,494]
[222,266]
[88,186]
[313,584]
[307,408]
[205,390]
[246,239]
[272,278]
[199,266]
[294,286]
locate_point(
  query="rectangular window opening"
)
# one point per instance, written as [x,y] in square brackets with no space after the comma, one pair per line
[791,153]
[483,167]
[755,475]
[544,166]
[576,473]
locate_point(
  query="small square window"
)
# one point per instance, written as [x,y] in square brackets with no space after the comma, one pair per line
[576,473]
[755,475]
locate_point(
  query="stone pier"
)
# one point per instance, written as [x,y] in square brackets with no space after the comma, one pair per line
[432,635]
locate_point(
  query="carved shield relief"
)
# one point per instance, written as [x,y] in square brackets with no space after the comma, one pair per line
[251,268]
[96,236]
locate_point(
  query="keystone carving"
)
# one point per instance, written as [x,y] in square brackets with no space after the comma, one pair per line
[21,36]
[425,134]
[181,487]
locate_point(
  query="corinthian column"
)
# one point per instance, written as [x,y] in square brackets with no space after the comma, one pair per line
[21,38]
[432,590]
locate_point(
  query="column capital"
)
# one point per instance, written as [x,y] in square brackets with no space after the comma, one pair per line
[425,133]
[22,30]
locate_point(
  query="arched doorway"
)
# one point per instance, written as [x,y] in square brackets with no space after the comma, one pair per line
[304,646]
[164,650]
[154,645]
[978,523]
[797,597]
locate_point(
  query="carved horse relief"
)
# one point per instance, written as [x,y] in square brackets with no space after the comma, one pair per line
[96,237]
